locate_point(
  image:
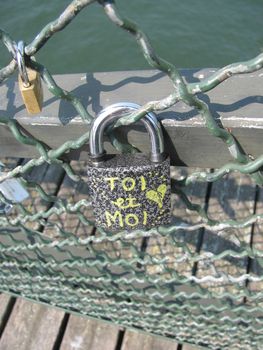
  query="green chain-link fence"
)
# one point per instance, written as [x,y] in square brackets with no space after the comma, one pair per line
[50,251]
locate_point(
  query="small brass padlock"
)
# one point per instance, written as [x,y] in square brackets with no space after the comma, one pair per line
[29,82]
[128,191]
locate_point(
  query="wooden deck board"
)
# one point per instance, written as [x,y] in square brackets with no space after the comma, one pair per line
[5,303]
[31,327]
[89,334]
[138,341]
[4,300]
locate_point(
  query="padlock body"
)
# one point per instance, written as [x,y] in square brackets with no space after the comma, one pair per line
[32,95]
[129,192]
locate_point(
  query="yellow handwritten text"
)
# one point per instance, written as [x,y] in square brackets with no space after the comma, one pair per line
[130,220]
[145,217]
[128,183]
[113,218]
[124,203]
[112,181]
[143,183]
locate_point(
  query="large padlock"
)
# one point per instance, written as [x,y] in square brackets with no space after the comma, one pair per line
[29,82]
[129,191]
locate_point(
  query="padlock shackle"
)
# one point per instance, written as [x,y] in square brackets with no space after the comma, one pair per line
[20,52]
[114,112]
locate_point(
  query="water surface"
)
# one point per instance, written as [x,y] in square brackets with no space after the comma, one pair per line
[190,33]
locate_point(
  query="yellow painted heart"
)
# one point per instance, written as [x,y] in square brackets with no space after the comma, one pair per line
[157,196]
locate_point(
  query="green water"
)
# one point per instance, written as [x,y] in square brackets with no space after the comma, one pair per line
[189,33]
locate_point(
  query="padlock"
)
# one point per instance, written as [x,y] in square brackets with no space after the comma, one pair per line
[29,82]
[12,191]
[5,208]
[32,93]
[128,191]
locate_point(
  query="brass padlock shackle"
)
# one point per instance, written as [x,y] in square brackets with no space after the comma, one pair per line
[115,111]
[20,52]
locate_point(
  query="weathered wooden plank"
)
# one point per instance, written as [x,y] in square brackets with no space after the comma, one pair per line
[236,102]
[89,334]
[30,327]
[6,302]
[138,341]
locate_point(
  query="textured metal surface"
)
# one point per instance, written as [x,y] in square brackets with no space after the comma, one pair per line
[130,192]
[122,277]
